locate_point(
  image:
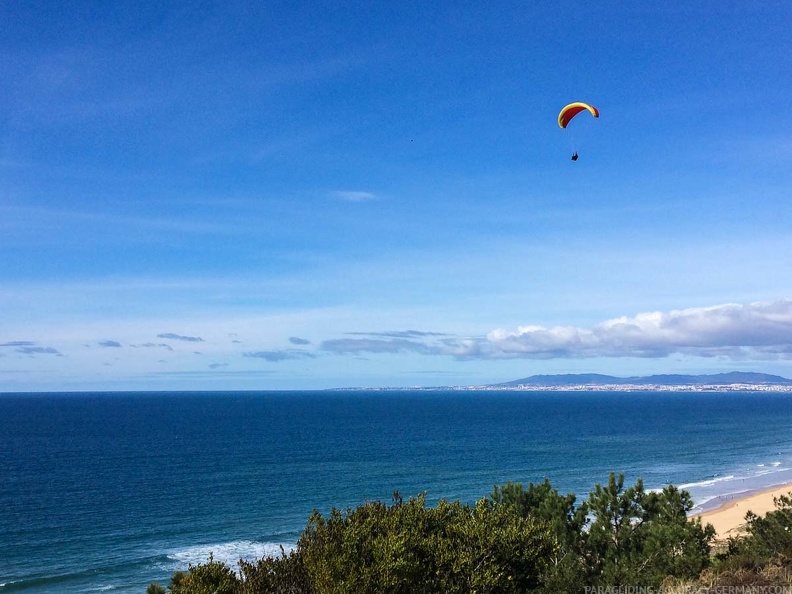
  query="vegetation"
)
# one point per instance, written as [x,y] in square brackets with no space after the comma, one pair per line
[518,540]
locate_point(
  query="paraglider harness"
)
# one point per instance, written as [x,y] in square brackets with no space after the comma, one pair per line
[575,156]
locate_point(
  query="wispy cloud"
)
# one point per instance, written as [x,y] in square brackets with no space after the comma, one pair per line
[299,341]
[276,356]
[214,374]
[110,343]
[172,336]
[380,345]
[37,218]
[38,350]
[153,345]
[393,341]
[28,347]
[399,334]
[353,195]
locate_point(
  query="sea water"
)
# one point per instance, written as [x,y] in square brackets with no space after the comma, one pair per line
[111,491]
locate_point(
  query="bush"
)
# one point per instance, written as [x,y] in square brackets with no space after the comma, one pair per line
[518,540]
[409,548]
[212,577]
[566,569]
[639,538]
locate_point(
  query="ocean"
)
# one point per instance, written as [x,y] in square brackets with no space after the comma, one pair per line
[111,491]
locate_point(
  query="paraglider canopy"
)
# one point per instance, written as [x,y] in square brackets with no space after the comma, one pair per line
[571,110]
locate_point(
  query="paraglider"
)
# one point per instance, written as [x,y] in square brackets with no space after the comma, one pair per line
[570,111]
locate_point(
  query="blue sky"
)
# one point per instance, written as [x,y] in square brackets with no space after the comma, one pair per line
[271,195]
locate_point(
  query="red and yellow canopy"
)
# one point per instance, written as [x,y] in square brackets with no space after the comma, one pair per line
[571,110]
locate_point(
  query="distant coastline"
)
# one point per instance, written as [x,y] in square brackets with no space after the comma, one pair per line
[582,388]
[640,388]
[735,381]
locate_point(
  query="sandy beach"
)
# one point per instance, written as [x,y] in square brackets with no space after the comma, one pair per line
[729,518]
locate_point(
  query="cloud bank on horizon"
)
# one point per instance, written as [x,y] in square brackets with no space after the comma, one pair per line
[755,331]
[736,333]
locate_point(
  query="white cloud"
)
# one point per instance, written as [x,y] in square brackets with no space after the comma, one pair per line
[750,331]
[757,331]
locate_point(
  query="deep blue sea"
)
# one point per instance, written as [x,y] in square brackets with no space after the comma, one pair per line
[109,492]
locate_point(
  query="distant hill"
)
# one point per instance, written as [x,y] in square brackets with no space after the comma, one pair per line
[596,379]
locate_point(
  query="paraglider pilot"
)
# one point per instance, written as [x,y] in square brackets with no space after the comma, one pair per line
[570,111]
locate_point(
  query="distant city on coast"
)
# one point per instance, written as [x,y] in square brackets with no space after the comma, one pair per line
[734,381]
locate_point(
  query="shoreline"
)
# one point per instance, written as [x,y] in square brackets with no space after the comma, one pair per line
[728,518]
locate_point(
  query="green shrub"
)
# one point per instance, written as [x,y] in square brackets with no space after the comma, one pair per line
[640,538]
[519,540]
[212,577]
[408,548]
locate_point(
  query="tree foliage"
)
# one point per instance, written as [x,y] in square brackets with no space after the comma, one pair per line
[212,577]
[517,540]
[766,537]
[286,574]
[639,538]
[566,569]
[410,548]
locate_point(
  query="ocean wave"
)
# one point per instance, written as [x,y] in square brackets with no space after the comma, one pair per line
[164,563]
[228,552]
[711,493]
[708,482]
[55,582]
